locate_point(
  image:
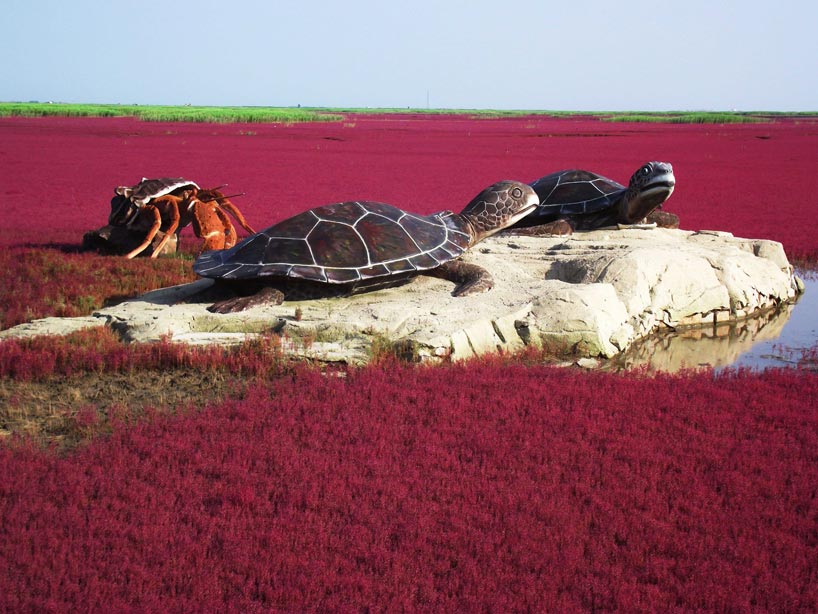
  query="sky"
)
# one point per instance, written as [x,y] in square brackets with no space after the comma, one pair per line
[583,55]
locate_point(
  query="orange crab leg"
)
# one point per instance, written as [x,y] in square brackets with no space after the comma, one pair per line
[229,229]
[151,233]
[173,208]
[226,204]
[207,225]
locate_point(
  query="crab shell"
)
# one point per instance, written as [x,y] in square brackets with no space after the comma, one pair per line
[128,200]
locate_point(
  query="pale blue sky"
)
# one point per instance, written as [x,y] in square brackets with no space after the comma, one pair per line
[511,54]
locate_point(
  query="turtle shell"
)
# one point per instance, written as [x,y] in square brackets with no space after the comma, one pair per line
[573,192]
[342,243]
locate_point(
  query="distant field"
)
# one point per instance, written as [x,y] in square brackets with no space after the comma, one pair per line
[267,115]
[162,113]
[670,117]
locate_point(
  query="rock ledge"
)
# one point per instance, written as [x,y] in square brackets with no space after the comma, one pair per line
[592,295]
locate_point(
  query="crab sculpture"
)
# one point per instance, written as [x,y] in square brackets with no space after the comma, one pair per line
[168,205]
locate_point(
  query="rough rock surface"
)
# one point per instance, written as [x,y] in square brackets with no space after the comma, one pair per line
[592,294]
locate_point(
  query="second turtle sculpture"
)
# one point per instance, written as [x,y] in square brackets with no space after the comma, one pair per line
[351,247]
[581,200]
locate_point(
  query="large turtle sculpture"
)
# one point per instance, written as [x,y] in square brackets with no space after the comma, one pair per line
[351,247]
[170,204]
[581,200]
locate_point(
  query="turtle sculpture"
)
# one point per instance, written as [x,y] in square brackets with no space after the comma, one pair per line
[351,247]
[581,200]
[170,204]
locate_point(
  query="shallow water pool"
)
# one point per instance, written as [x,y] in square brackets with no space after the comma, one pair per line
[798,334]
[777,338]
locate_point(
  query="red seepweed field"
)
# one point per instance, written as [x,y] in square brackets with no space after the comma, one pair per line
[478,488]
[58,174]
[491,486]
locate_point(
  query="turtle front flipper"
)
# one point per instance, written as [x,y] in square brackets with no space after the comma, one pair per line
[470,278]
[663,219]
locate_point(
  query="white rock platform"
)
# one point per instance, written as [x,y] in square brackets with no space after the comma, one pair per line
[593,294]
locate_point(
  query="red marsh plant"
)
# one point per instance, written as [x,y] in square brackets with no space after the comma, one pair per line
[454,489]
[54,282]
[51,386]
[809,359]
[100,350]
[755,180]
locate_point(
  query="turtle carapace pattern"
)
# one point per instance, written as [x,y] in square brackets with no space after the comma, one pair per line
[342,243]
[354,246]
[581,200]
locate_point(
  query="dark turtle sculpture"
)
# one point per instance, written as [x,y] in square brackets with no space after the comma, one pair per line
[351,247]
[581,200]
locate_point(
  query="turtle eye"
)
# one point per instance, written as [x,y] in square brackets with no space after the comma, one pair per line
[516,192]
[646,170]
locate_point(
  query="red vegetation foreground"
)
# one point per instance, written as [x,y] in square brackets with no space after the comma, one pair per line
[452,489]
[47,281]
[100,350]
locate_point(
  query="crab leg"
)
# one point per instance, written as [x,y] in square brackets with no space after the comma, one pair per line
[173,201]
[212,224]
[229,229]
[226,204]
[151,233]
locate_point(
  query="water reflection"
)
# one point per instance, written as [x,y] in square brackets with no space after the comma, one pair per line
[776,338]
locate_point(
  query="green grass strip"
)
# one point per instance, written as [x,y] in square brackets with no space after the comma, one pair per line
[287,115]
[715,117]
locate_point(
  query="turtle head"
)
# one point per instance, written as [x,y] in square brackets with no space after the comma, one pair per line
[649,187]
[498,207]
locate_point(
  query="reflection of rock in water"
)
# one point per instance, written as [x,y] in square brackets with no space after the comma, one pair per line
[712,346]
